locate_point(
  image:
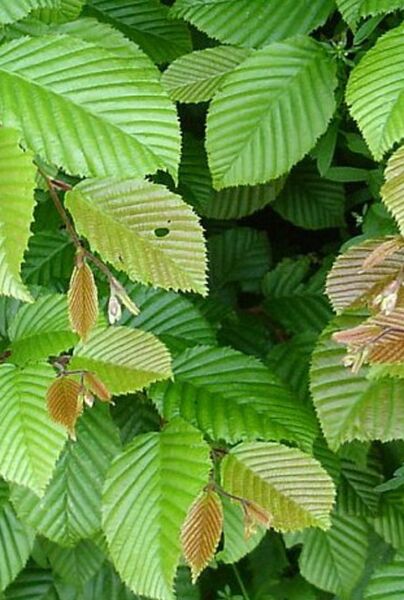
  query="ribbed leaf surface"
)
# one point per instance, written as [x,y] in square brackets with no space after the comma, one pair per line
[16,541]
[17,183]
[375,93]
[126,360]
[70,509]
[387,582]
[135,119]
[148,492]
[356,493]
[201,531]
[197,76]
[354,10]
[233,397]
[393,189]
[334,560]
[32,583]
[389,523]
[147,23]
[64,403]
[82,300]
[40,330]
[143,229]
[49,258]
[310,201]
[258,146]
[29,442]
[253,23]
[290,485]
[349,405]
[16,10]
[350,284]
[61,11]
[106,585]
[75,565]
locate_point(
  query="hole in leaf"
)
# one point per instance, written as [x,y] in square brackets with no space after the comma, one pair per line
[161,232]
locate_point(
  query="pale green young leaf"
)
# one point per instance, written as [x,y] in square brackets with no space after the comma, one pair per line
[334,560]
[258,146]
[233,397]
[143,229]
[126,360]
[253,23]
[393,190]
[70,510]
[147,494]
[349,405]
[375,93]
[40,330]
[197,76]
[30,443]
[136,121]
[146,22]
[354,10]
[60,12]
[17,184]
[290,485]
[16,10]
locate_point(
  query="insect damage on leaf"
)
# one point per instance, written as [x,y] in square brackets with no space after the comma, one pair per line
[201,531]
[82,298]
[64,402]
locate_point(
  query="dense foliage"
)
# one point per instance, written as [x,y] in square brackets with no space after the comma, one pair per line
[202,302]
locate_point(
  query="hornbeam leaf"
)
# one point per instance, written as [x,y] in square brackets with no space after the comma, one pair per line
[70,509]
[64,403]
[257,146]
[389,523]
[291,486]
[82,299]
[61,11]
[201,531]
[126,360]
[334,560]
[375,92]
[233,397]
[197,76]
[40,330]
[393,190]
[17,183]
[351,283]
[349,405]
[14,11]
[29,442]
[135,120]
[143,229]
[148,492]
[75,565]
[354,10]
[387,582]
[49,259]
[16,540]
[253,23]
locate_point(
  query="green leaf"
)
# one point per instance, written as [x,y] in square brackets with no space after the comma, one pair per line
[126,360]
[106,585]
[147,23]
[75,565]
[148,492]
[171,317]
[356,493]
[393,190]
[334,560]
[16,541]
[197,76]
[136,122]
[310,201]
[40,330]
[258,145]
[49,258]
[290,485]
[375,93]
[70,510]
[389,523]
[16,10]
[350,406]
[396,482]
[30,442]
[32,583]
[235,544]
[62,11]
[17,183]
[160,238]
[354,10]
[253,23]
[240,255]
[232,397]
[387,583]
